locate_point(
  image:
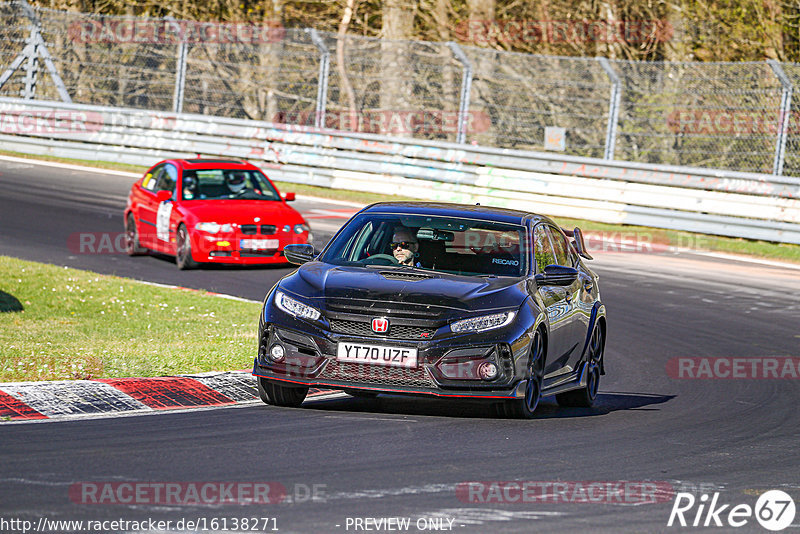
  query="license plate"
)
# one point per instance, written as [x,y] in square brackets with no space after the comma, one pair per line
[377,354]
[258,244]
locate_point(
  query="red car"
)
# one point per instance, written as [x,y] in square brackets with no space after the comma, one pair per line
[210,210]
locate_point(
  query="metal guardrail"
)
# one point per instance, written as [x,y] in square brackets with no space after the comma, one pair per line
[748,205]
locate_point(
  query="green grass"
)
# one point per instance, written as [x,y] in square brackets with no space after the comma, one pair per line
[761,249]
[78,325]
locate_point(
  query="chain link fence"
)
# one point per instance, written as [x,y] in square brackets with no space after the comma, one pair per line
[738,116]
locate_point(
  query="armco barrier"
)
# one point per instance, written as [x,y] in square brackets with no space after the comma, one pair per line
[753,206]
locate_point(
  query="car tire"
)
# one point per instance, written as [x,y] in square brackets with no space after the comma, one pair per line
[132,245]
[524,408]
[586,396]
[278,395]
[183,249]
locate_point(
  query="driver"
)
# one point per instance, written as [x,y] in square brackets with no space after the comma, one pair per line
[405,246]
[189,187]
[235,181]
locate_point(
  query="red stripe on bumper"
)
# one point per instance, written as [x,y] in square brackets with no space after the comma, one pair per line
[382,389]
[16,409]
[169,392]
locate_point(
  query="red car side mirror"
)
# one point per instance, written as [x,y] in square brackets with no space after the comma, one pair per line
[163,195]
[288,197]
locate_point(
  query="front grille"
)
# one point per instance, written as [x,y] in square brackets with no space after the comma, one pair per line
[258,253]
[252,229]
[375,374]
[359,328]
[409,310]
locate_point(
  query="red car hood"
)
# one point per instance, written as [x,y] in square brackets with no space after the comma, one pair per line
[242,211]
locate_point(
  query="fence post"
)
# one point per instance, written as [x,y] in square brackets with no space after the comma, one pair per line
[180,78]
[466,88]
[322,84]
[36,47]
[783,118]
[613,108]
[31,66]
[180,67]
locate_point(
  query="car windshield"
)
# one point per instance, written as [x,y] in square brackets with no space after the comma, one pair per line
[441,244]
[227,184]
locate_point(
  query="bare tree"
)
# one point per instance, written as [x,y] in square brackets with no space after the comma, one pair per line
[397,25]
[344,81]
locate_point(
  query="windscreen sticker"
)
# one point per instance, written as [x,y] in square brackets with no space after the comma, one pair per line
[162,220]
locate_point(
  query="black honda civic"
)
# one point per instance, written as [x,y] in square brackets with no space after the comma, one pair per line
[437,299]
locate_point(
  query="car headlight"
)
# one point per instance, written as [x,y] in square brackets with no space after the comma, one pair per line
[293,307]
[214,228]
[300,228]
[483,323]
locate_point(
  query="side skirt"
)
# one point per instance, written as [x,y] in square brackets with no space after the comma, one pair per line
[578,382]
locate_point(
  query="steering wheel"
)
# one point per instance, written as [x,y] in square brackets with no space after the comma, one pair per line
[382,259]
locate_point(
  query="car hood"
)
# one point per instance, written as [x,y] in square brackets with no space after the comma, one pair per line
[241,211]
[318,280]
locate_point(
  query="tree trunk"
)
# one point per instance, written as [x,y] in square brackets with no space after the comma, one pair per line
[397,25]
[344,82]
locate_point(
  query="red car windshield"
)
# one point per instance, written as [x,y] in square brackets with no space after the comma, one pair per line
[227,184]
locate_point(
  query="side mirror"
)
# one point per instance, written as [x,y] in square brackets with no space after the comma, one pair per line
[163,195]
[299,254]
[557,275]
[288,197]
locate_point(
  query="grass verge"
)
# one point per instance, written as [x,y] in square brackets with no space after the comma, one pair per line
[58,323]
[761,249]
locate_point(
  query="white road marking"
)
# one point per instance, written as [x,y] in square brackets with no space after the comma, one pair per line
[70,166]
[746,259]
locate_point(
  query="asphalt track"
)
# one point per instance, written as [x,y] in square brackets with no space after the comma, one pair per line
[404,457]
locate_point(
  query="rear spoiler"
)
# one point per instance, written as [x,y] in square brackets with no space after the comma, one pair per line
[577,242]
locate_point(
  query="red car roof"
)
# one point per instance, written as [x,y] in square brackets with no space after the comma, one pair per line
[213,163]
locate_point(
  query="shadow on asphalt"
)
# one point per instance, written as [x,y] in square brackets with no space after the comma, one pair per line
[9,303]
[548,408]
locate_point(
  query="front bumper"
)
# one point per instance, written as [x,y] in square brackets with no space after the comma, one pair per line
[310,360]
[225,248]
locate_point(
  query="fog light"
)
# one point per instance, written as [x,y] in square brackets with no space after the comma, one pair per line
[487,371]
[276,353]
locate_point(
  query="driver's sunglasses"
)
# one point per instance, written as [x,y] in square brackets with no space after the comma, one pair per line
[402,244]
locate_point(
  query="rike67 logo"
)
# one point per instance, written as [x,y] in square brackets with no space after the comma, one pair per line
[774,510]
